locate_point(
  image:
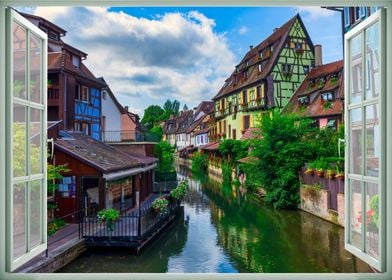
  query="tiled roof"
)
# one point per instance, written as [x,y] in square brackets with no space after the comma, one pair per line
[58,61]
[184,119]
[251,133]
[95,153]
[212,146]
[312,89]
[276,40]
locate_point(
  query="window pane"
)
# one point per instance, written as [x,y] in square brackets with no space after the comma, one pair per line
[19,60]
[35,141]
[35,213]
[19,223]
[356,70]
[35,68]
[355,141]
[373,140]
[372,220]
[19,141]
[373,77]
[356,213]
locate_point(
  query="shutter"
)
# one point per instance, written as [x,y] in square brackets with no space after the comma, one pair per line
[251,119]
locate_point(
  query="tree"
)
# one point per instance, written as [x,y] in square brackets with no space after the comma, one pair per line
[164,152]
[171,108]
[156,133]
[153,115]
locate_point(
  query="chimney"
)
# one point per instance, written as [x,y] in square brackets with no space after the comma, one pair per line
[250,47]
[318,55]
[126,108]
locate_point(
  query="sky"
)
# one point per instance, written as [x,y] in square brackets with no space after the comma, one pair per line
[149,55]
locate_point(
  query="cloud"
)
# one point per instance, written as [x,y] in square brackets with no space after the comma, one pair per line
[314,13]
[243,30]
[148,60]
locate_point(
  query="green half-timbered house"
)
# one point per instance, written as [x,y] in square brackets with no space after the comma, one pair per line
[266,78]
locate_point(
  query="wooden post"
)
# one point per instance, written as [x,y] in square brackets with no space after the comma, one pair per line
[102,193]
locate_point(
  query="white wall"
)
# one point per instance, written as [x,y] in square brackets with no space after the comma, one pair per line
[113,118]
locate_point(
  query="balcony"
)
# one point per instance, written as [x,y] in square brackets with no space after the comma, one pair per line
[115,136]
[221,113]
[53,96]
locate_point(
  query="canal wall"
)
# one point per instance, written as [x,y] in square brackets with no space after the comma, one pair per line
[213,171]
[57,258]
[315,201]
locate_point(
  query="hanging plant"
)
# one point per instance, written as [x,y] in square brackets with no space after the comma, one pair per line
[160,205]
[180,191]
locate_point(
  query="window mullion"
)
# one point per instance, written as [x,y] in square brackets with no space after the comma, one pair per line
[28,186]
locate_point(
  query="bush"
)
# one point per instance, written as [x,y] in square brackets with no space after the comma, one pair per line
[199,162]
[108,216]
[164,152]
[54,226]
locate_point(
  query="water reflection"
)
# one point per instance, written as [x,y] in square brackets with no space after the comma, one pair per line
[225,229]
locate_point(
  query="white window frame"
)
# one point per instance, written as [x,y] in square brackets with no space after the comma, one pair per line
[379,16]
[11,264]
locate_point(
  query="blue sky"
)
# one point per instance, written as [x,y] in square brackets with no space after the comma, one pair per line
[149,55]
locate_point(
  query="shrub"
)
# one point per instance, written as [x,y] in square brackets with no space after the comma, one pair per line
[54,226]
[226,172]
[108,216]
[164,152]
[199,162]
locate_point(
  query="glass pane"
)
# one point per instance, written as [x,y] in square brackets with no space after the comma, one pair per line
[35,141]
[373,140]
[35,213]
[373,75]
[356,213]
[355,158]
[356,69]
[35,68]
[19,140]
[372,220]
[19,60]
[19,223]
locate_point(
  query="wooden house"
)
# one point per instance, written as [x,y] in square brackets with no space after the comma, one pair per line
[100,176]
[266,78]
[74,93]
[321,96]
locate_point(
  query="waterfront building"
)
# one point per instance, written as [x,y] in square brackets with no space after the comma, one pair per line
[266,78]
[198,131]
[74,93]
[321,96]
[101,176]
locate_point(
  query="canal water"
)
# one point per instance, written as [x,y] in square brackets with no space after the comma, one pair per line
[225,229]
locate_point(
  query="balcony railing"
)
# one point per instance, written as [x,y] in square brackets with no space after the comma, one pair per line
[221,113]
[53,93]
[114,136]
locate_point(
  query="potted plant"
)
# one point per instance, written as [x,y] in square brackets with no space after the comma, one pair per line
[108,216]
[310,169]
[160,205]
[321,166]
[330,173]
[180,191]
[50,83]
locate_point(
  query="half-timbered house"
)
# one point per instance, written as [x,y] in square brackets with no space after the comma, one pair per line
[265,78]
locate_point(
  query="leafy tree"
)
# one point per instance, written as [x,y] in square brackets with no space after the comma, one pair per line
[199,162]
[171,108]
[233,150]
[164,152]
[153,115]
[156,132]
[55,173]
[288,142]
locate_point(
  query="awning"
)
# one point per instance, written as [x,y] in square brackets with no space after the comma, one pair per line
[126,173]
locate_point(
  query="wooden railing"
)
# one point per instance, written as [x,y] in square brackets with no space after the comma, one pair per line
[53,93]
[134,226]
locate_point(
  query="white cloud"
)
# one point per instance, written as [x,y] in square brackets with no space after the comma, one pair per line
[243,30]
[146,61]
[314,13]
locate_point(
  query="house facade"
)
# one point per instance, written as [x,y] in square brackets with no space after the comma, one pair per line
[265,78]
[74,93]
[112,112]
[198,131]
[321,96]
[354,15]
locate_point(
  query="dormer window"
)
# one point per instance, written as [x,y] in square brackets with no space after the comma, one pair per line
[76,61]
[53,35]
[303,100]
[327,96]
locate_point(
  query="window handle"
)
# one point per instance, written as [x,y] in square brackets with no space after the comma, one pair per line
[51,140]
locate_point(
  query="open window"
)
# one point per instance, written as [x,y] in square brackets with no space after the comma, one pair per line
[26,82]
[366,140]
